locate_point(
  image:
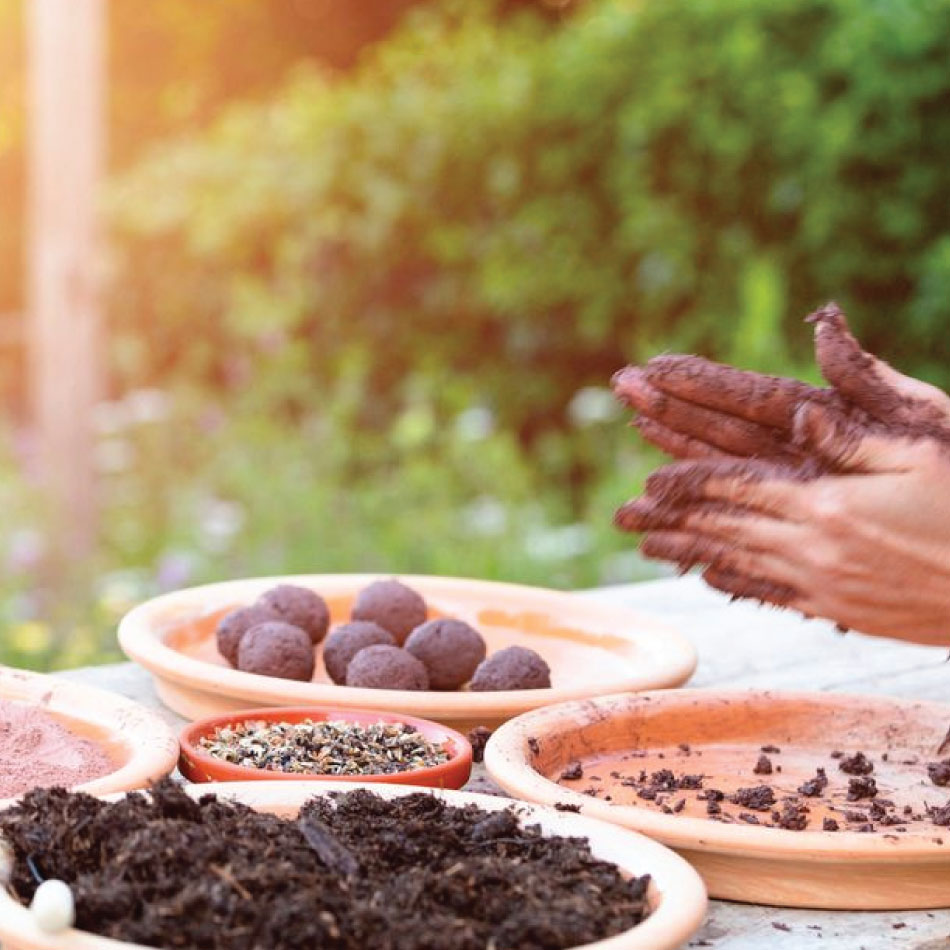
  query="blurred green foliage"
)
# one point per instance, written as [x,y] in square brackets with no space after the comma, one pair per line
[383,308]
[496,208]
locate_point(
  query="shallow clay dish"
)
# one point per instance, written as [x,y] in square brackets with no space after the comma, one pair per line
[199,766]
[676,892]
[592,649]
[141,745]
[615,738]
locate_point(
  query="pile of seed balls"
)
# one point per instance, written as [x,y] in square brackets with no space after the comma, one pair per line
[389,643]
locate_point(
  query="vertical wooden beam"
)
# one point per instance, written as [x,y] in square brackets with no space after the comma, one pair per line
[66,63]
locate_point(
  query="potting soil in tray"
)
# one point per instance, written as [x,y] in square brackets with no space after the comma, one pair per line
[352,871]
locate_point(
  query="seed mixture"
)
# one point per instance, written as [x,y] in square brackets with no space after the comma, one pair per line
[351,871]
[324,747]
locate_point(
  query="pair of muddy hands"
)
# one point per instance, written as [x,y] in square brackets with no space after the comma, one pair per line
[832,500]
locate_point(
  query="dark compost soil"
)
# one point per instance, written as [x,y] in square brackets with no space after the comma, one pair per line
[351,872]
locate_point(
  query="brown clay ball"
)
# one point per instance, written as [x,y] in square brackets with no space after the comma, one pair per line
[233,626]
[512,668]
[346,641]
[385,667]
[395,607]
[301,607]
[449,649]
[276,648]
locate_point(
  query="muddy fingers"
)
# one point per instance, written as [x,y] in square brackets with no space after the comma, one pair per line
[682,483]
[675,443]
[647,514]
[756,397]
[682,424]
[890,397]
[741,585]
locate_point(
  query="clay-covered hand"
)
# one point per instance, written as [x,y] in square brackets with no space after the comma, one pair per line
[693,408]
[869,549]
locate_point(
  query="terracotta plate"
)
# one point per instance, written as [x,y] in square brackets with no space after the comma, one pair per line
[677,894]
[592,649]
[720,737]
[142,746]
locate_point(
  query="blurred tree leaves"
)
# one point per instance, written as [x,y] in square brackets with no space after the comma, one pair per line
[519,209]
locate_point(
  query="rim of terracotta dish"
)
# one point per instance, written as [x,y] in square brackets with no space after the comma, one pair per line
[150,744]
[508,761]
[677,891]
[460,749]
[669,657]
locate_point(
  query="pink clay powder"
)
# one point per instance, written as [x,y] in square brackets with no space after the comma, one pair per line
[36,749]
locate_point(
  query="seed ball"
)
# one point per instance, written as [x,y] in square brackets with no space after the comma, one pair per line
[395,607]
[512,668]
[385,667]
[53,908]
[233,626]
[346,641]
[300,606]
[449,649]
[276,649]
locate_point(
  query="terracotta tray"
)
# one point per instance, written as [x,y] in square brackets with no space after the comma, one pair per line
[199,766]
[720,735]
[677,894]
[592,649]
[142,746]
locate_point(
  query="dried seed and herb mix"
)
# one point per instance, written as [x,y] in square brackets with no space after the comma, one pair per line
[324,748]
[349,872]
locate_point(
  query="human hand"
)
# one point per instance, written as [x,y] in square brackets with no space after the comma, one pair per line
[693,408]
[870,551]
[858,532]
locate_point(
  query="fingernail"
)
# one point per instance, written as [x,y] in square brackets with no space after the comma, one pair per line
[829,313]
[633,515]
[629,386]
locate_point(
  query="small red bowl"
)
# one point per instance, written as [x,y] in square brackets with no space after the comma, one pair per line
[198,766]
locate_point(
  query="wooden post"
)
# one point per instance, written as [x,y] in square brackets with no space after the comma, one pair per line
[66,64]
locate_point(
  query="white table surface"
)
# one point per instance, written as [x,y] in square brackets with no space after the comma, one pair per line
[742,645]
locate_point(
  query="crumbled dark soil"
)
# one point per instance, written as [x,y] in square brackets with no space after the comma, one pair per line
[814,786]
[939,772]
[792,817]
[357,871]
[573,771]
[861,787]
[760,798]
[656,786]
[478,738]
[857,764]
[854,798]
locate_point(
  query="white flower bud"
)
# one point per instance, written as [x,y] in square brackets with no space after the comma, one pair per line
[53,907]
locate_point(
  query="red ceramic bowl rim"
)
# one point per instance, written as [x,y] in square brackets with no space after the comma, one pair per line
[227,771]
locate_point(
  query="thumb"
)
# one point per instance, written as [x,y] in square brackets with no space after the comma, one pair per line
[850,441]
[887,395]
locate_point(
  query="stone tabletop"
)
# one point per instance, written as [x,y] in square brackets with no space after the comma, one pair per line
[742,645]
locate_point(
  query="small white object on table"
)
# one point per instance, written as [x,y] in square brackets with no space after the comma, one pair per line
[742,645]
